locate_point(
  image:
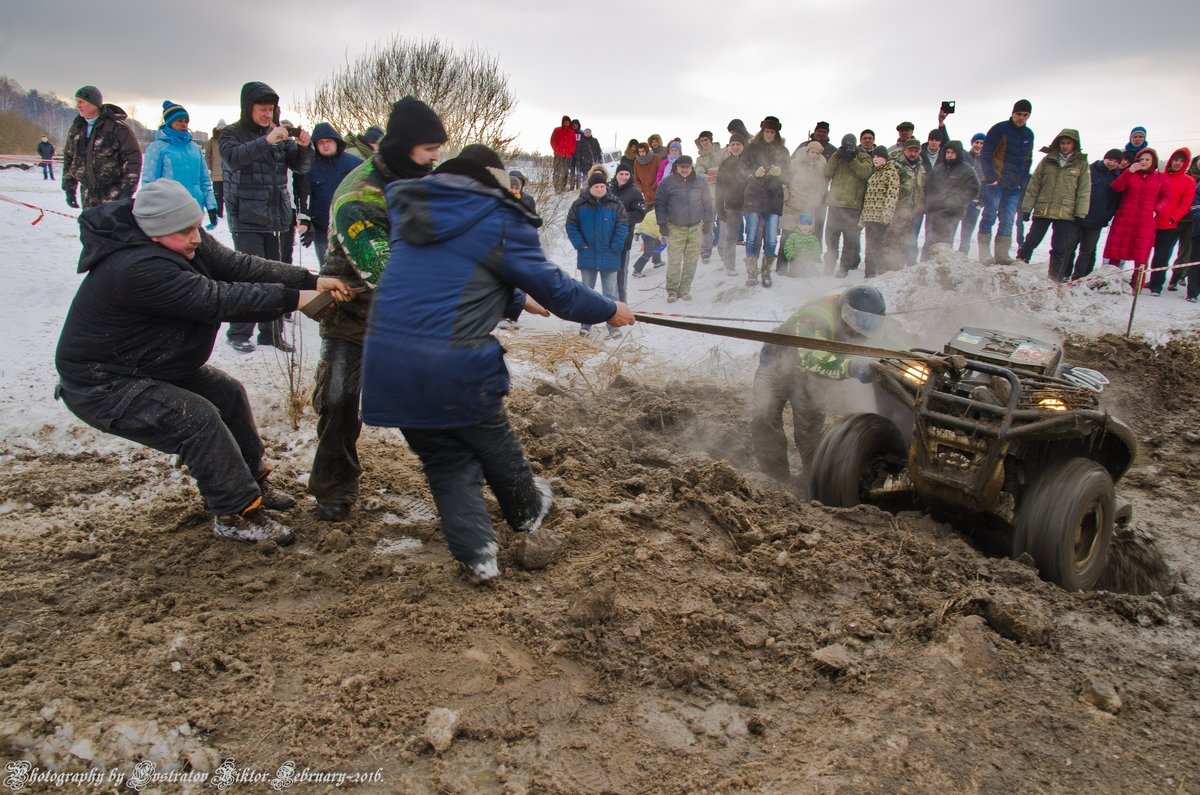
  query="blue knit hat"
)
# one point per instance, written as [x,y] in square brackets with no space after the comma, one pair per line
[173,112]
[1141,130]
[978,137]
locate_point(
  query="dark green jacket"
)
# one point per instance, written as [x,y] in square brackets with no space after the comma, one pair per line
[1056,191]
[848,180]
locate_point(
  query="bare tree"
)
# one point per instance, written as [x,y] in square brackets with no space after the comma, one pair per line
[466,88]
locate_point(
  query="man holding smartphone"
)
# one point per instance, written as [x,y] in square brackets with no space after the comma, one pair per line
[256,155]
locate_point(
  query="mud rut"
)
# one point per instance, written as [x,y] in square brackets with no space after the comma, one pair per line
[703,631]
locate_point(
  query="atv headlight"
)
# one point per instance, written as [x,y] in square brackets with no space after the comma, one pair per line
[916,372]
[1052,404]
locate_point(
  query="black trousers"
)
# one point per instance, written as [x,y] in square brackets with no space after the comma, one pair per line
[269,245]
[1085,258]
[1193,273]
[219,192]
[1164,245]
[939,228]
[457,462]
[335,469]
[875,258]
[205,419]
[841,223]
[1186,231]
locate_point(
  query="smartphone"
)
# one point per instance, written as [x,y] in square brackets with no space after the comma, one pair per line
[948,106]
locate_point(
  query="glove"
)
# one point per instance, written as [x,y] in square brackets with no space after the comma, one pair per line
[760,172]
[1083,376]
[71,202]
[1026,216]
[212,220]
[775,171]
[861,369]
[306,239]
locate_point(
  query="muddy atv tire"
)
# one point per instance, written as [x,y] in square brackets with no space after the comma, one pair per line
[1065,523]
[852,455]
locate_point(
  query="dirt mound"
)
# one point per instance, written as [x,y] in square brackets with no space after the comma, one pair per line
[699,629]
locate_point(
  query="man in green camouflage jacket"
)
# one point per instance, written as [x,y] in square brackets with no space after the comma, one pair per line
[358,252]
[101,157]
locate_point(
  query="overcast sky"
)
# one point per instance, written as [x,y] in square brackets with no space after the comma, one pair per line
[626,71]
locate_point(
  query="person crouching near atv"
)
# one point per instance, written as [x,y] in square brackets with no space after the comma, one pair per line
[131,357]
[801,376]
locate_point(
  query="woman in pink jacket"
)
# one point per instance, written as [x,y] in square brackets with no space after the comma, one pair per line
[1143,192]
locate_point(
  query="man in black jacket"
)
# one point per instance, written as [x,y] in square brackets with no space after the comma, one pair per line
[45,151]
[133,350]
[256,154]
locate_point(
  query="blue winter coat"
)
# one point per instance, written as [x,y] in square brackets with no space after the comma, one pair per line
[1105,200]
[326,174]
[462,250]
[174,155]
[1007,155]
[597,229]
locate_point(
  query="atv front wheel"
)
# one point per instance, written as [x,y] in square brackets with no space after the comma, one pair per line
[855,454]
[1065,523]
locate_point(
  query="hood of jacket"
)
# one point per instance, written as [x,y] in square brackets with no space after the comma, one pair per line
[326,130]
[957,148]
[113,112]
[106,229]
[446,205]
[1149,150]
[1067,132]
[1187,158]
[256,92]
[566,121]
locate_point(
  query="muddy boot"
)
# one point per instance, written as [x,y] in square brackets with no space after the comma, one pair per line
[251,525]
[1054,271]
[751,271]
[767,267]
[985,247]
[273,498]
[1003,245]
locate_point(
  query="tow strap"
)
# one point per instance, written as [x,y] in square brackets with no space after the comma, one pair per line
[790,340]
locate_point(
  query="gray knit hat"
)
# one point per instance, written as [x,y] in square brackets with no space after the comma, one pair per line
[90,94]
[164,207]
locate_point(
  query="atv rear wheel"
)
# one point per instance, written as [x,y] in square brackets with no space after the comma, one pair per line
[857,453]
[1065,523]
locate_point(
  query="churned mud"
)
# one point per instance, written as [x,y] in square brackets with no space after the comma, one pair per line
[697,630]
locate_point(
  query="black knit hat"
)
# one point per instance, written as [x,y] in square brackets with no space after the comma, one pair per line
[411,123]
[597,177]
[737,138]
[90,94]
[623,166]
[822,125]
[880,151]
[1022,106]
[771,123]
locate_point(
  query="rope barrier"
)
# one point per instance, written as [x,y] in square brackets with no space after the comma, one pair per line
[41,210]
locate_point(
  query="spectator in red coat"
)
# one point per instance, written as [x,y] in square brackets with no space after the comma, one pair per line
[1143,190]
[1180,189]
[562,141]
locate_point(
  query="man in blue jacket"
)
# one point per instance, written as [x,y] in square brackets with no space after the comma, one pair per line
[330,167]
[1102,207]
[597,227]
[464,253]
[1006,157]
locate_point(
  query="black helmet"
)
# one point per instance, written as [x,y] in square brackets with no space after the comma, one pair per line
[863,309]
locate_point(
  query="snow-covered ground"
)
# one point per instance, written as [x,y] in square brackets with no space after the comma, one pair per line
[928,301]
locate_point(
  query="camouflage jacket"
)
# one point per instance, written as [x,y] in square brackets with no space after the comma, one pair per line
[821,319]
[359,244]
[912,186]
[883,190]
[104,166]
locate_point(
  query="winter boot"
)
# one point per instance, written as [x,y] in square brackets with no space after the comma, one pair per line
[985,247]
[1055,269]
[767,267]
[273,498]
[251,525]
[751,271]
[1003,245]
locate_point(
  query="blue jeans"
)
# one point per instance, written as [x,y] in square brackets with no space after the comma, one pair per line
[967,227]
[457,462]
[761,229]
[1000,208]
[608,286]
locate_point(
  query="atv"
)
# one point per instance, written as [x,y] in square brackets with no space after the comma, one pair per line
[995,431]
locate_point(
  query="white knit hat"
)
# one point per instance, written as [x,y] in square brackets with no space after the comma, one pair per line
[164,207]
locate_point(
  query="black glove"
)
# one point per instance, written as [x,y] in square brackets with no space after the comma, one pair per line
[212,220]
[306,239]
[71,202]
[1026,216]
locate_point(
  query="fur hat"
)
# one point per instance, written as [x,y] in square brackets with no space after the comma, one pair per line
[816,146]
[822,125]
[164,207]
[90,94]
[172,112]
[771,123]
[1022,106]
